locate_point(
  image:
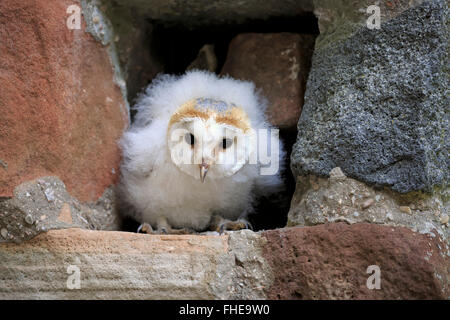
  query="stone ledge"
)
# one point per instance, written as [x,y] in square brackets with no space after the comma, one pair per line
[320,262]
[122,265]
[330,262]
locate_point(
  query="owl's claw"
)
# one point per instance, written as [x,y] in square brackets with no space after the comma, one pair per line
[162,230]
[234,225]
[145,228]
[248,225]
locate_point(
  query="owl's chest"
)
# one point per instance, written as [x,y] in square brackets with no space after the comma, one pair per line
[182,191]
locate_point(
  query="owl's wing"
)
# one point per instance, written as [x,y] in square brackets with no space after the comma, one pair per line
[136,160]
[142,148]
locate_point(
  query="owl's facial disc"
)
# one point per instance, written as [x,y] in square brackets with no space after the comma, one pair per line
[206,149]
[209,139]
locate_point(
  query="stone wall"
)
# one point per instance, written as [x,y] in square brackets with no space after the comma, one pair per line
[376,108]
[375,104]
[371,159]
[61,115]
[321,262]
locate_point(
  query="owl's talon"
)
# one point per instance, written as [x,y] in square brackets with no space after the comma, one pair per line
[248,225]
[234,225]
[145,228]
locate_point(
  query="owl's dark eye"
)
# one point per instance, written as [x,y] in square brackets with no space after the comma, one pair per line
[226,143]
[189,137]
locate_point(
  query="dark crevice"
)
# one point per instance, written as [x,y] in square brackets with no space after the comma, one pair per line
[271,213]
[177,46]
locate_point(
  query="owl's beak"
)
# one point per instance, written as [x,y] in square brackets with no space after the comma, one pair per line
[203,171]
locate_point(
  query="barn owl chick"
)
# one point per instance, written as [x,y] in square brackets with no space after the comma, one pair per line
[191,157]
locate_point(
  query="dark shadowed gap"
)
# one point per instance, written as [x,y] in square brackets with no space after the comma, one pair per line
[176,47]
[271,213]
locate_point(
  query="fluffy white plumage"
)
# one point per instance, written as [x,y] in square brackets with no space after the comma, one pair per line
[155,187]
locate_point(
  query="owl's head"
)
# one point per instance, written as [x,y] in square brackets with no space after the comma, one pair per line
[207,137]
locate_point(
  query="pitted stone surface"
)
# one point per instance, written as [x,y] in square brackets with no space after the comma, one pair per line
[320,262]
[44,204]
[338,198]
[331,261]
[122,265]
[376,102]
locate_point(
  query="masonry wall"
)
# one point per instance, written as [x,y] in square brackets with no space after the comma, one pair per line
[366,108]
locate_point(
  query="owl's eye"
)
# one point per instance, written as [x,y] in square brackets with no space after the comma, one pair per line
[226,143]
[189,138]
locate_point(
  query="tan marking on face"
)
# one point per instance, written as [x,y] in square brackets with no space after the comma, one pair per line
[188,110]
[235,117]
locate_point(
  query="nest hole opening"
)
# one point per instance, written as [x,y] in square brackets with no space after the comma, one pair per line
[176,47]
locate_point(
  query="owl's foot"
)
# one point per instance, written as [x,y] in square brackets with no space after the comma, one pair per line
[162,227]
[234,225]
[145,228]
[221,225]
